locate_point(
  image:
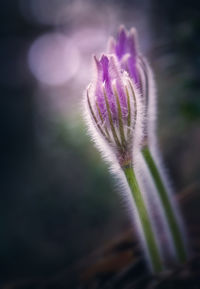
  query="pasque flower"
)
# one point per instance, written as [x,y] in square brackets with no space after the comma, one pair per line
[111,103]
[130,59]
[114,115]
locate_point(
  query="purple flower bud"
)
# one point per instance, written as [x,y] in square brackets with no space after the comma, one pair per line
[130,59]
[110,83]
[112,107]
[125,47]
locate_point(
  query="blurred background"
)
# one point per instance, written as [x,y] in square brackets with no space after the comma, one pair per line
[58,202]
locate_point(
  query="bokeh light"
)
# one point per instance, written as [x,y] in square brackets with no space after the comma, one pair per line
[53,59]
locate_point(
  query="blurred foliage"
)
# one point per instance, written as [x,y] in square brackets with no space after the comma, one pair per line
[59,207]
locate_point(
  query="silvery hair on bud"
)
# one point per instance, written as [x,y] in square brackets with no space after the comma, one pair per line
[108,151]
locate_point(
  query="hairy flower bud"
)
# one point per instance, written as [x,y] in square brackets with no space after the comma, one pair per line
[112,106]
[125,47]
[130,59]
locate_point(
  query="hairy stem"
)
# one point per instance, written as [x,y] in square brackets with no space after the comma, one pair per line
[144,219]
[168,209]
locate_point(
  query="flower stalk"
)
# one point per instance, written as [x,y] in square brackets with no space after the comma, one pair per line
[167,206]
[144,219]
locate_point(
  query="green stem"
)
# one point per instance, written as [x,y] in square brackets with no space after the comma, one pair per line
[144,219]
[168,209]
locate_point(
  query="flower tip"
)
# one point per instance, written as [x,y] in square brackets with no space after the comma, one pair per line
[97,65]
[123,33]
[103,59]
[96,60]
[122,29]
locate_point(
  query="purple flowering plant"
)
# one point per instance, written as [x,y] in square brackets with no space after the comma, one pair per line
[112,104]
[131,60]
[119,107]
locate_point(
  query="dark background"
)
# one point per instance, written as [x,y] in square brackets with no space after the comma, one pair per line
[57,200]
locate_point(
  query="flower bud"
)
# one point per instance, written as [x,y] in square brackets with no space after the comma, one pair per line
[112,107]
[130,59]
[125,47]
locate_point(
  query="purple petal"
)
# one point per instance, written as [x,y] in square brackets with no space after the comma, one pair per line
[98,86]
[127,44]
[108,73]
[132,69]
[104,80]
[104,65]
[117,77]
[132,43]
[121,44]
